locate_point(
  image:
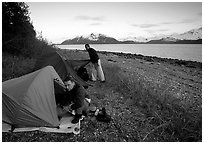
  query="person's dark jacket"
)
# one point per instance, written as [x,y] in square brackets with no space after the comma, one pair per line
[93,55]
[77,95]
[62,100]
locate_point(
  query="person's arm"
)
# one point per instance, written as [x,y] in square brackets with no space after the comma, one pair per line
[88,100]
[86,96]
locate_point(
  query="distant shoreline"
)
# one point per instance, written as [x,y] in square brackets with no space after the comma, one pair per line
[183,52]
[131,43]
[187,63]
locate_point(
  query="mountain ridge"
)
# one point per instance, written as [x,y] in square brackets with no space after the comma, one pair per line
[193,36]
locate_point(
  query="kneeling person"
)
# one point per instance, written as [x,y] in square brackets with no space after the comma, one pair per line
[79,97]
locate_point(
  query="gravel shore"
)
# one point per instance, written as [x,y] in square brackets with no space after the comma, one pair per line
[148,98]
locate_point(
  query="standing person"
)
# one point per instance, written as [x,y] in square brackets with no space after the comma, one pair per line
[97,68]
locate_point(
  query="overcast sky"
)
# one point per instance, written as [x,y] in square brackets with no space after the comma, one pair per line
[61,20]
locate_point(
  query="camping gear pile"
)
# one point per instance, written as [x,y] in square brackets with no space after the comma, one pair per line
[28,102]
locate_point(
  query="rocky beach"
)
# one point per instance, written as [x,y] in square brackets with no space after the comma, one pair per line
[148,98]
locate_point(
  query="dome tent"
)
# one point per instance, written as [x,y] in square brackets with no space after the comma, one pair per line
[62,65]
[29,101]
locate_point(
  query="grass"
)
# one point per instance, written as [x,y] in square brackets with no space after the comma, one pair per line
[164,118]
[168,119]
[140,110]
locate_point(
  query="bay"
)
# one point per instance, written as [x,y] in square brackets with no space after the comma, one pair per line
[192,52]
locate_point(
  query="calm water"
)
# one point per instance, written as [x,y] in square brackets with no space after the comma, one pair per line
[191,52]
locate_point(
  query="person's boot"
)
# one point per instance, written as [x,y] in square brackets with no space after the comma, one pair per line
[76,119]
[103,116]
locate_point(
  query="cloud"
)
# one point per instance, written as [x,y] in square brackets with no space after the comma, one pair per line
[187,21]
[163,23]
[145,25]
[162,30]
[167,23]
[156,31]
[82,17]
[96,24]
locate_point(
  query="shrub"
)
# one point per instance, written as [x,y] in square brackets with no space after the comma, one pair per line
[15,66]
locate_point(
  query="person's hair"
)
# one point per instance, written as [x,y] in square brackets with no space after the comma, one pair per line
[87,45]
[69,78]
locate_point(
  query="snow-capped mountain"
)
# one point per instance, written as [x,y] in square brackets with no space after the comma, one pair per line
[96,38]
[170,39]
[135,39]
[92,38]
[193,34]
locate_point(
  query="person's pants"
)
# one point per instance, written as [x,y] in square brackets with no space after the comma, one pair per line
[83,109]
[97,71]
